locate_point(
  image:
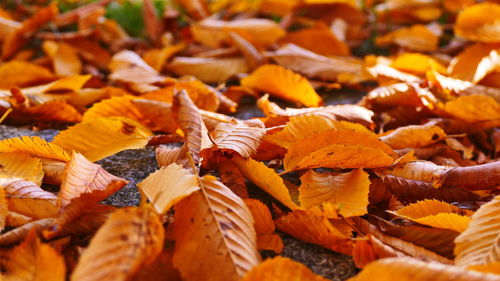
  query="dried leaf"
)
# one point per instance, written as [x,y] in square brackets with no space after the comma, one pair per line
[474,108]
[102,137]
[479,23]
[265,178]
[240,137]
[209,70]
[29,199]
[319,40]
[414,136]
[285,84]
[34,146]
[417,37]
[475,62]
[215,225]
[412,269]
[280,268]
[21,165]
[20,74]
[130,238]
[347,192]
[315,228]
[345,148]
[479,243]
[36,261]
[162,192]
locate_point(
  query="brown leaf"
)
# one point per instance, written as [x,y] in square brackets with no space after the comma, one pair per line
[215,225]
[130,238]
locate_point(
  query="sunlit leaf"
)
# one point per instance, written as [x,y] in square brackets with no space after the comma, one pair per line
[479,23]
[130,238]
[34,146]
[280,268]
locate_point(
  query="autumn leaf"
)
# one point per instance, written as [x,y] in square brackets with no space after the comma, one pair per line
[281,268]
[286,84]
[216,225]
[478,23]
[130,238]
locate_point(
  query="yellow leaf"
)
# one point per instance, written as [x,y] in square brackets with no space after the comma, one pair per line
[34,146]
[492,267]
[436,214]
[213,33]
[130,238]
[417,63]
[475,62]
[29,199]
[338,148]
[285,84]
[479,23]
[64,57]
[34,261]
[21,165]
[214,225]
[20,73]
[403,269]
[209,70]
[347,192]
[101,137]
[315,228]
[478,244]
[414,136]
[241,137]
[474,108]
[191,123]
[319,40]
[155,115]
[280,268]
[417,37]
[302,126]
[83,177]
[419,170]
[265,178]
[163,192]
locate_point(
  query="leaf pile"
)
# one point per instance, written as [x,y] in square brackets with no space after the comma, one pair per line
[406,181]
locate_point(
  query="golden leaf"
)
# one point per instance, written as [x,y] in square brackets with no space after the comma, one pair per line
[155,115]
[316,66]
[319,40]
[414,136]
[83,177]
[302,126]
[265,178]
[163,192]
[192,125]
[475,62]
[436,214]
[168,155]
[34,261]
[34,146]
[20,73]
[64,58]
[130,238]
[285,84]
[419,170]
[417,37]
[392,269]
[209,70]
[21,165]
[29,199]
[338,148]
[215,225]
[213,33]
[280,268]
[417,63]
[18,234]
[479,23]
[347,192]
[315,228]
[264,226]
[241,137]
[479,244]
[474,108]
[102,137]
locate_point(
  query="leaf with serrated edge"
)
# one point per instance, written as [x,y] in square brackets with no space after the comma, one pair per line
[130,238]
[480,243]
[348,192]
[164,192]
[214,225]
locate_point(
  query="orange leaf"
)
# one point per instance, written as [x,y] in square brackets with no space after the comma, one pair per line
[479,23]
[414,136]
[280,268]
[20,73]
[319,40]
[474,108]
[347,192]
[285,84]
[417,37]
[130,238]
[209,70]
